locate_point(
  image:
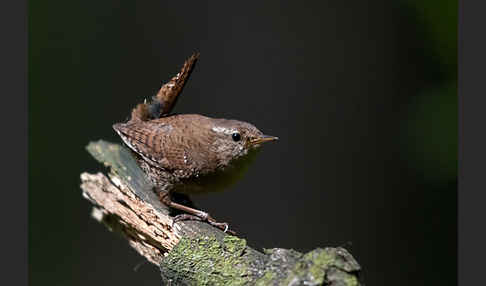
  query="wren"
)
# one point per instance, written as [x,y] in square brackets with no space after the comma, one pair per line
[188,153]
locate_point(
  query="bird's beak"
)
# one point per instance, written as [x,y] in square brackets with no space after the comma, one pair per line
[263,138]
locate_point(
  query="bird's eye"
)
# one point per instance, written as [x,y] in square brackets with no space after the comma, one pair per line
[236,136]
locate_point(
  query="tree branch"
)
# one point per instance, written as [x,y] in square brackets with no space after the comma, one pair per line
[191,252]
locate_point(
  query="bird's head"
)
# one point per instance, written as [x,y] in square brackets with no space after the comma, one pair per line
[235,139]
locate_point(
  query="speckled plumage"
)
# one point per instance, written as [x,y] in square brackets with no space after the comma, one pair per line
[188,153]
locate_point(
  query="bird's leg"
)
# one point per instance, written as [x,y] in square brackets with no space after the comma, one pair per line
[192,214]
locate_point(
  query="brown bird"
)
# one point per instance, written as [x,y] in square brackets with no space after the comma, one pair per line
[188,153]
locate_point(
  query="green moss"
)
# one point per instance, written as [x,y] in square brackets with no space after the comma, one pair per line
[207,261]
[325,265]
[228,261]
[318,262]
[234,245]
[351,280]
[266,279]
[311,268]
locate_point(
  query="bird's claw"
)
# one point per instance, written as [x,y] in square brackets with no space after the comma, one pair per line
[221,225]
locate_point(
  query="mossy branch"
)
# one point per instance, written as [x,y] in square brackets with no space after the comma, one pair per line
[191,252]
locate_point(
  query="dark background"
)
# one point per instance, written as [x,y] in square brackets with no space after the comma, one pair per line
[361,94]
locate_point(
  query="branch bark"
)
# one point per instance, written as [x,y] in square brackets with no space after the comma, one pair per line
[191,252]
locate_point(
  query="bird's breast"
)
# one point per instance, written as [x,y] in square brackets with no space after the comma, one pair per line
[219,179]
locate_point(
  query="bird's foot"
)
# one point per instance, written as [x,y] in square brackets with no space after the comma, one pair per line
[206,218]
[193,214]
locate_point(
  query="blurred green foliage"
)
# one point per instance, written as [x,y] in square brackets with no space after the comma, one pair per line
[430,125]
[430,133]
[439,18]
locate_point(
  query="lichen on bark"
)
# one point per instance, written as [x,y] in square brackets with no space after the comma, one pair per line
[207,261]
[210,261]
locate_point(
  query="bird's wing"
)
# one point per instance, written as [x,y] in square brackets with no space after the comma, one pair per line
[160,145]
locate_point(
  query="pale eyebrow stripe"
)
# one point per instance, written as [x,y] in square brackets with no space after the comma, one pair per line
[223,130]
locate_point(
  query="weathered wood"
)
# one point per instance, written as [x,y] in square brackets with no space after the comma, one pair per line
[191,252]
